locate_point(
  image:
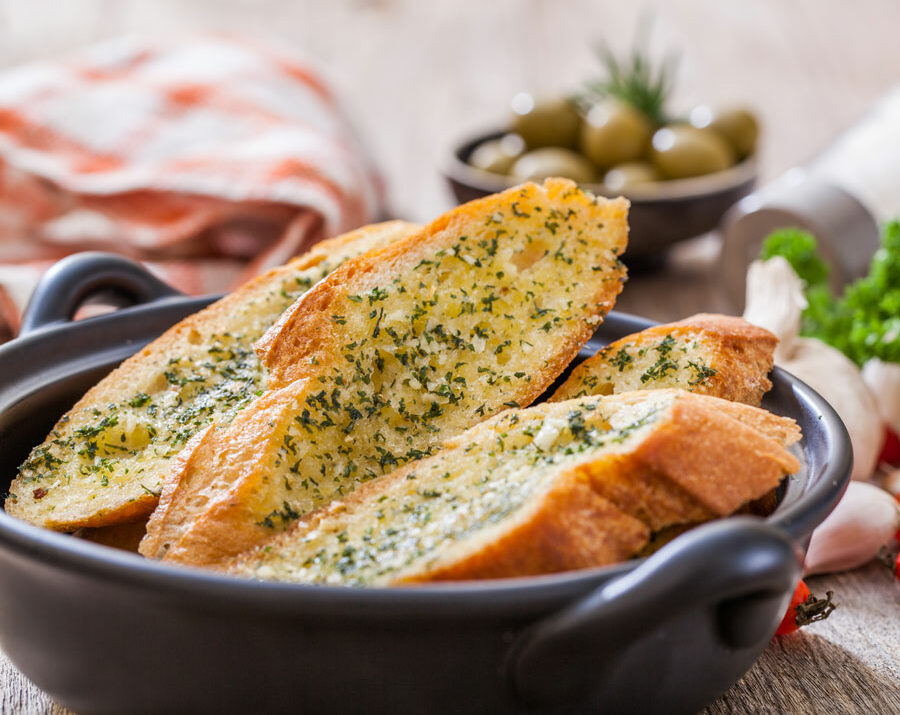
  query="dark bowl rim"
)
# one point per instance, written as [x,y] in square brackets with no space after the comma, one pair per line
[455,168]
[444,599]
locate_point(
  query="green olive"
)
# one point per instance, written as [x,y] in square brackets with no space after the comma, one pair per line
[550,122]
[739,126]
[497,155]
[614,132]
[630,174]
[680,151]
[537,165]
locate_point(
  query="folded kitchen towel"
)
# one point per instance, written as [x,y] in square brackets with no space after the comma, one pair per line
[210,160]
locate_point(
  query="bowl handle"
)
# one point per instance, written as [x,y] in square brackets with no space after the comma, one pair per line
[736,567]
[69,283]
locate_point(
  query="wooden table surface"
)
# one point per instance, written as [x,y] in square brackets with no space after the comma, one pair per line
[414,76]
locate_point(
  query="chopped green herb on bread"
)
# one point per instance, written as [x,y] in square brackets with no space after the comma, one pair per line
[716,355]
[554,487]
[105,460]
[394,352]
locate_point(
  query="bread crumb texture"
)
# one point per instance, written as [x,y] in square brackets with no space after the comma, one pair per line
[406,346]
[104,461]
[716,355]
[558,486]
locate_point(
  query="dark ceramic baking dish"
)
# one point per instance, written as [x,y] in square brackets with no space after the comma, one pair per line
[104,631]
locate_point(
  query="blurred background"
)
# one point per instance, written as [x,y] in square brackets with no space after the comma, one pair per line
[414,77]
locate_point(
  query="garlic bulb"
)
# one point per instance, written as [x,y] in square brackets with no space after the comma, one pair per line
[883,379]
[864,520]
[775,301]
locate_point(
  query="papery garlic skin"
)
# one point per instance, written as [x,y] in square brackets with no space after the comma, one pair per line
[864,521]
[775,301]
[883,379]
[836,378]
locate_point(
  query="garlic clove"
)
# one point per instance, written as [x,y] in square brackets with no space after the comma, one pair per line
[834,376]
[883,379]
[865,520]
[775,301]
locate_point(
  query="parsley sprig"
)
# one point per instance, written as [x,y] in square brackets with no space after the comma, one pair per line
[865,321]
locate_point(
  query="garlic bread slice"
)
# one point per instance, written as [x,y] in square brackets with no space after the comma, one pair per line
[553,487]
[710,354]
[396,351]
[105,460]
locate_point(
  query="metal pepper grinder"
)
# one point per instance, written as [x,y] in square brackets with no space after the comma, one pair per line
[841,196]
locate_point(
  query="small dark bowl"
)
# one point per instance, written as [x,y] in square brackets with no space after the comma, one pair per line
[661,214]
[103,631]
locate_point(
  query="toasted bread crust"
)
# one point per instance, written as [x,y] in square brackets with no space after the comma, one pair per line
[174,509]
[572,527]
[594,508]
[382,379]
[701,447]
[716,355]
[634,487]
[304,338]
[204,507]
[111,493]
[125,537]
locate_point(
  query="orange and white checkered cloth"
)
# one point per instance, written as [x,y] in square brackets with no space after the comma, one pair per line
[210,160]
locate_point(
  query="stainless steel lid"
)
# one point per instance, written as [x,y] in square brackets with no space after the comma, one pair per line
[847,232]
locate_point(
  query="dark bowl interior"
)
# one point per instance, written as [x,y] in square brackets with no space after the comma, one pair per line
[660,215]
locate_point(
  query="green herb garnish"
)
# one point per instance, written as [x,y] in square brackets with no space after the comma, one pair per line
[864,322]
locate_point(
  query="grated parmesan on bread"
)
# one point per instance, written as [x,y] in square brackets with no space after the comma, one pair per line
[716,355]
[105,460]
[554,487]
[394,352]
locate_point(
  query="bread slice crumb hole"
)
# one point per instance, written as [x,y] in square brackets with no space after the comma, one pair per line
[530,255]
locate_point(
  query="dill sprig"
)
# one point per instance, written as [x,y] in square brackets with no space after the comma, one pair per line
[634,79]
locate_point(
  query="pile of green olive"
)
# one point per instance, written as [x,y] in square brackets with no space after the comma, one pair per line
[613,143]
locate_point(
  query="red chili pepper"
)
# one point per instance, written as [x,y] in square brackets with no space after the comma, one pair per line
[806,608]
[890,452]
